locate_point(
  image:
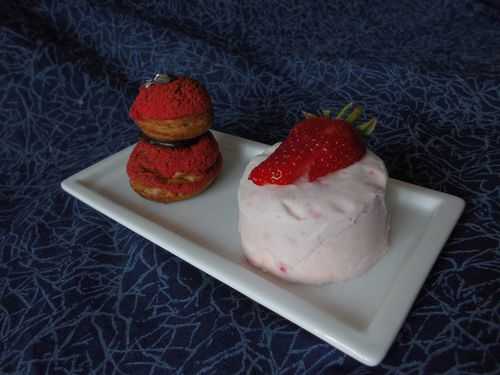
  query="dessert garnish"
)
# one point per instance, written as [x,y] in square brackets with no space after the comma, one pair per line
[315,147]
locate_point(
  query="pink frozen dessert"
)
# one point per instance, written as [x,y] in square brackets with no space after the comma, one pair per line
[312,209]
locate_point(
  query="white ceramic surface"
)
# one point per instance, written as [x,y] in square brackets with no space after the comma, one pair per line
[361,317]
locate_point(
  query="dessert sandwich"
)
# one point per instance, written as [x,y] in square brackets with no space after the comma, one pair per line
[177,156]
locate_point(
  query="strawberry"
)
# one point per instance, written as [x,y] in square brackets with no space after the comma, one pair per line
[315,147]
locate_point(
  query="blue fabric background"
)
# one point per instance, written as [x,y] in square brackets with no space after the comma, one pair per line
[80,294]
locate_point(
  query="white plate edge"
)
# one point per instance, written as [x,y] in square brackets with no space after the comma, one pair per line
[369,349]
[449,210]
[342,341]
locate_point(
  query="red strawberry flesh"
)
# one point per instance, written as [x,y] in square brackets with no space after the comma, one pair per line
[314,147]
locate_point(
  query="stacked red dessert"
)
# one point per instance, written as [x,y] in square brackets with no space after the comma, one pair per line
[177,156]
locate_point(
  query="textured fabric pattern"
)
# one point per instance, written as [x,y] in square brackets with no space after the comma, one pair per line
[80,294]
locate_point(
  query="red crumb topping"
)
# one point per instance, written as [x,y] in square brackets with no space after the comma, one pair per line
[152,164]
[168,101]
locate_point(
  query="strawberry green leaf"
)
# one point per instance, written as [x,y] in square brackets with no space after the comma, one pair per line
[355,114]
[344,111]
[367,127]
[308,115]
[326,113]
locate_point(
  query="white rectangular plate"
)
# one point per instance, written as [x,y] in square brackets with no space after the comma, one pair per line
[360,317]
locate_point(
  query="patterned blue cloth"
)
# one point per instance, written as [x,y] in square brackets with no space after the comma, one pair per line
[81,294]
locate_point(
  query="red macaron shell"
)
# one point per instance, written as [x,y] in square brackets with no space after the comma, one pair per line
[168,101]
[187,188]
[153,165]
